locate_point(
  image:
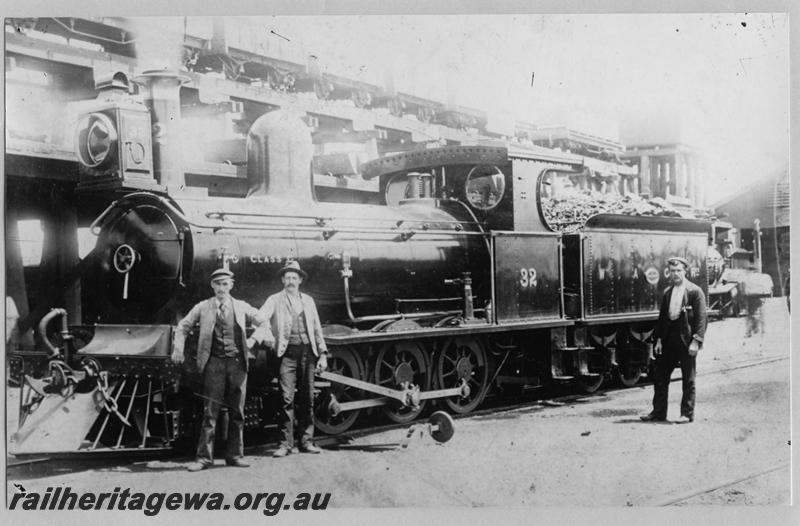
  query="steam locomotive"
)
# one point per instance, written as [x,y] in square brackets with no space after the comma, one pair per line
[454,285]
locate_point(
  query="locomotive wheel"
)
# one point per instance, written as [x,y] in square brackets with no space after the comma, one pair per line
[344,361]
[444,426]
[629,374]
[425,114]
[590,384]
[400,363]
[323,89]
[651,370]
[735,308]
[396,107]
[629,368]
[361,98]
[463,359]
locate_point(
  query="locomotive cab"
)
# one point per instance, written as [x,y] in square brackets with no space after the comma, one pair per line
[500,186]
[494,188]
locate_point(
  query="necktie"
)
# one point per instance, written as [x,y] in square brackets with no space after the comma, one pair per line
[221,312]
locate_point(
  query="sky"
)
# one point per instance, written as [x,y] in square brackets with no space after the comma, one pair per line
[722,78]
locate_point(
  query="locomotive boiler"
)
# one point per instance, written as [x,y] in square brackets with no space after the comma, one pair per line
[454,286]
[366,262]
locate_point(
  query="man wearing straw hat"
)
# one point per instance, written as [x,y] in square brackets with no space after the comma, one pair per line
[301,348]
[222,352]
[679,335]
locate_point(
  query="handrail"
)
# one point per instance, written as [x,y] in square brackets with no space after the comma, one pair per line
[407,233]
[45,321]
[349,307]
[221,215]
[404,234]
[383,317]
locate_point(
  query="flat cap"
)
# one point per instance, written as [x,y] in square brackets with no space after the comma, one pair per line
[220,274]
[677,259]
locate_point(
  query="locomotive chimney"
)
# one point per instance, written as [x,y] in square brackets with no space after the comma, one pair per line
[279,152]
[162,96]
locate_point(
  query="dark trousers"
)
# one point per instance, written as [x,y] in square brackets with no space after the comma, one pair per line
[225,381]
[297,372]
[755,316]
[674,353]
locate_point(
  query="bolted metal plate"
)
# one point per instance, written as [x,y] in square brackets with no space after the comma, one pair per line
[527,277]
[59,424]
[442,426]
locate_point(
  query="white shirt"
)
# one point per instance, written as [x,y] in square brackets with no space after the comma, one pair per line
[676,301]
[221,304]
[296,302]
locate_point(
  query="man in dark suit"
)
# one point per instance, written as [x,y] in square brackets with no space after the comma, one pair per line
[222,352]
[679,335]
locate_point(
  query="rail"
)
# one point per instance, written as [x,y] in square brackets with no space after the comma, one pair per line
[696,493]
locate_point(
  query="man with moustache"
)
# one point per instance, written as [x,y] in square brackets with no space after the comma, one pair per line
[222,352]
[301,348]
[679,335]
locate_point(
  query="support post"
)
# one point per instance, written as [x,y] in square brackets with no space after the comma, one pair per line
[15,282]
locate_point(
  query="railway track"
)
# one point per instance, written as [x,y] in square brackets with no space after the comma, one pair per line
[688,496]
[25,462]
[539,396]
[542,397]
[744,364]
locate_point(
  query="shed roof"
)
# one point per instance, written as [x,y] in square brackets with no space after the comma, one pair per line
[767,200]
